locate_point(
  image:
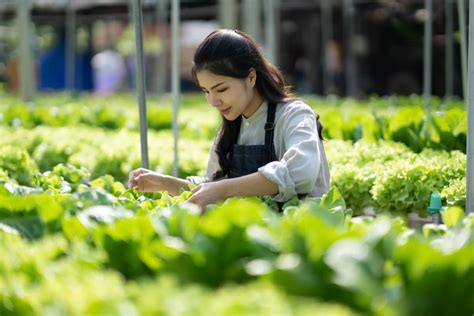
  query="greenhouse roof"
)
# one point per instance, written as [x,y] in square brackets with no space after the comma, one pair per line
[6,5]
[76,4]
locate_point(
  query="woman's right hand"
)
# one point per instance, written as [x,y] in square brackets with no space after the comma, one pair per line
[144,180]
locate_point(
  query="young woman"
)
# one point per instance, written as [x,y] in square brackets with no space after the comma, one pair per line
[268,143]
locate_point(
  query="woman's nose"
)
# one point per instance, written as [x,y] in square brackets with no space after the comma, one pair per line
[214,100]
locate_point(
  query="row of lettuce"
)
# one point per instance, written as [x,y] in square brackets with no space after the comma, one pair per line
[80,243]
[445,127]
[81,247]
[389,177]
[385,175]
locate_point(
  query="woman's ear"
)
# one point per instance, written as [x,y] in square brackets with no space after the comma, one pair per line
[252,77]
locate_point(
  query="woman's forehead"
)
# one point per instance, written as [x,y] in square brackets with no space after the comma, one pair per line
[208,79]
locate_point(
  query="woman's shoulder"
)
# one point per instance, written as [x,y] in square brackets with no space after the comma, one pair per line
[293,107]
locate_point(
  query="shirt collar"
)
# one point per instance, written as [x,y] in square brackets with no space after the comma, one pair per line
[261,111]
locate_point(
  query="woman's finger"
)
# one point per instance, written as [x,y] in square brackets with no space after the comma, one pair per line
[130,179]
[191,199]
[140,183]
[132,175]
[142,180]
[138,172]
[196,189]
[195,200]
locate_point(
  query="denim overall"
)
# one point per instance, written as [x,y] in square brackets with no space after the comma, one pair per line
[246,159]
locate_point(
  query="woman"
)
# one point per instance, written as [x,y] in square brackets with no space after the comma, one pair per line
[268,143]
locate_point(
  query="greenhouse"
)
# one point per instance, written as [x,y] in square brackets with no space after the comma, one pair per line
[237,157]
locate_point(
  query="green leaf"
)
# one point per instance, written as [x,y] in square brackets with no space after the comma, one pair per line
[16,189]
[433,230]
[4,190]
[30,227]
[73,228]
[102,215]
[453,216]
[333,200]
[8,229]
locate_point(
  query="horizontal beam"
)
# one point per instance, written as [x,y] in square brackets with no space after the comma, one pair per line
[112,13]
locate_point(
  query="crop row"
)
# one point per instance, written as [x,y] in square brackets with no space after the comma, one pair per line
[384,175]
[389,177]
[74,246]
[105,152]
[402,120]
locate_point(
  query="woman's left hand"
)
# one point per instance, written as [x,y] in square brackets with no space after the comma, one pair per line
[207,193]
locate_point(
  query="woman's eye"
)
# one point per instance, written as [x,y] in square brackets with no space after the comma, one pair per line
[222,90]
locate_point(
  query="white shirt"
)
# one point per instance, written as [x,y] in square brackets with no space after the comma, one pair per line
[301,167]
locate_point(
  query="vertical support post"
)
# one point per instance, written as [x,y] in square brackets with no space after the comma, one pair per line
[427,52]
[470,116]
[175,76]
[449,57]
[350,63]
[272,17]
[227,14]
[70,46]
[133,79]
[140,78]
[161,21]
[251,17]
[326,35]
[26,63]
[463,32]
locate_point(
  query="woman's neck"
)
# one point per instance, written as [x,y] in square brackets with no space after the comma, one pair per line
[253,106]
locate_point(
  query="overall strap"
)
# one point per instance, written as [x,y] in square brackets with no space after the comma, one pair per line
[269,128]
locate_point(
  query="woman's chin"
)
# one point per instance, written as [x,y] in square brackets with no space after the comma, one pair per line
[230,117]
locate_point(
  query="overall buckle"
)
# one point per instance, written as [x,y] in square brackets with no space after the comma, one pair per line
[269,126]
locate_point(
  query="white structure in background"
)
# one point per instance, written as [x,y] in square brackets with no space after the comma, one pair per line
[109,71]
[192,34]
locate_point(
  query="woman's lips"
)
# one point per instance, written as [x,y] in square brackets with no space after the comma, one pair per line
[225,111]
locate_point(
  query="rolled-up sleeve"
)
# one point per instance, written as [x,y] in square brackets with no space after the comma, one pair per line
[297,170]
[197,179]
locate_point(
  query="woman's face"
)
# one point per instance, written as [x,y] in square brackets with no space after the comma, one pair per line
[230,96]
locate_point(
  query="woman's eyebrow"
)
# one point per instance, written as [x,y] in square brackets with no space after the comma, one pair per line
[214,86]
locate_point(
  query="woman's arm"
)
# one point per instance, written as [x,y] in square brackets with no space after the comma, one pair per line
[254,184]
[174,185]
[298,168]
[144,180]
[250,185]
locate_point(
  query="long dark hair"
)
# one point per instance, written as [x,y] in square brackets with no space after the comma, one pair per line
[233,53]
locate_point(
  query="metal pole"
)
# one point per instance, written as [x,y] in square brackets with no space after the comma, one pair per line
[251,17]
[161,18]
[449,58]
[350,75]
[175,76]
[436,218]
[326,35]
[26,63]
[70,46]
[277,30]
[227,14]
[133,78]
[462,30]
[470,116]
[271,29]
[427,50]
[140,78]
